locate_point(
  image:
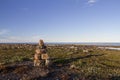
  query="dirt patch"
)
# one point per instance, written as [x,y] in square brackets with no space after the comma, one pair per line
[26,71]
[23,71]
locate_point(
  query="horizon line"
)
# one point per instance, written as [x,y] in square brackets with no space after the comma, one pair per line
[60,42]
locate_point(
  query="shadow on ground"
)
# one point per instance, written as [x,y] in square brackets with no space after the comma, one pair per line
[57,71]
[69,60]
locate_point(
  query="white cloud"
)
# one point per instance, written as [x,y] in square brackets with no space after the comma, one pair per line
[4,31]
[18,39]
[92,1]
[32,38]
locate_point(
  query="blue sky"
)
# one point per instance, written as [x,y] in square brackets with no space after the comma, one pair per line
[60,20]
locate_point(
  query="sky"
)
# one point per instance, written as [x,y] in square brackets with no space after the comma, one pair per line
[60,20]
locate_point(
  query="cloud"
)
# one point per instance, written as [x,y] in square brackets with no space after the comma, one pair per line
[3,32]
[36,38]
[91,2]
[5,37]
[18,39]
[32,38]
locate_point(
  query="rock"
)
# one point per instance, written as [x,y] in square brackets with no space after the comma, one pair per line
[72,66]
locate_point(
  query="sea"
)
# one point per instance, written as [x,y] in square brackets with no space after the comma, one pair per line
[111,46]
[74,43]
[87,43]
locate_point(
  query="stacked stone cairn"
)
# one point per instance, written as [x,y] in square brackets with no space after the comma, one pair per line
[41,57]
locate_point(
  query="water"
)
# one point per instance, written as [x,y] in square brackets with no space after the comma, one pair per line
[76,43]
[88,43]
[110,48]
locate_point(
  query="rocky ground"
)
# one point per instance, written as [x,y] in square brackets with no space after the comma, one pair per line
[68,63]
[26,71]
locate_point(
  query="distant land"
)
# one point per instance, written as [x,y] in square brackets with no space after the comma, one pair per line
[75,43]
[88,43]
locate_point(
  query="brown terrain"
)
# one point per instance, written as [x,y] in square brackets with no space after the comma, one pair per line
[68,62]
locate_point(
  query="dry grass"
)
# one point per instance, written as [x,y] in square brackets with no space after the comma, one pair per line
[94,65]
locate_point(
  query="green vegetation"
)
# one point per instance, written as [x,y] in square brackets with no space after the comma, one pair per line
[96,64]
[9,55]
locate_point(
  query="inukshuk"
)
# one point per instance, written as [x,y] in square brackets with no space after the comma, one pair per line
[41,57]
